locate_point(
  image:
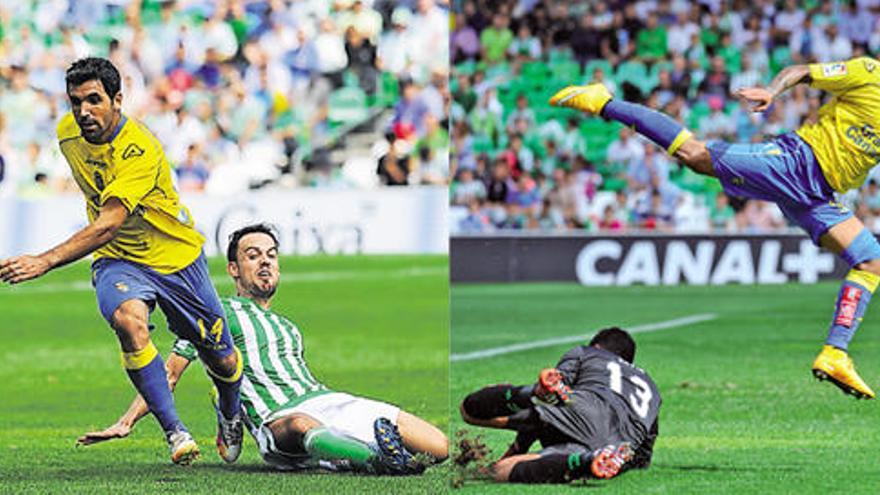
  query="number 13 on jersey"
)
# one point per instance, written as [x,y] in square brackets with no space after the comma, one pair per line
[640,395]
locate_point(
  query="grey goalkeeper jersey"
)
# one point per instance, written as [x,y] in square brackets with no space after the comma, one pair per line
[612,401]
[275,373]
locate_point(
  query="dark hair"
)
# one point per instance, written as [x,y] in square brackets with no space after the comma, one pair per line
[235,238]
[617,341]
[94,68]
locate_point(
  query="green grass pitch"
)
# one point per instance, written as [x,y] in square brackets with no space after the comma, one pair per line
[373,326]
[741,412]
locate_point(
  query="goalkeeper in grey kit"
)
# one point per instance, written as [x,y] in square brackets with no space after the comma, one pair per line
[594,414]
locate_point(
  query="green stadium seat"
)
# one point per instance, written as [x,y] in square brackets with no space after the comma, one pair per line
[566,72]
[631,71]
[389,89]
[347,105]
[534,71]
[603,64]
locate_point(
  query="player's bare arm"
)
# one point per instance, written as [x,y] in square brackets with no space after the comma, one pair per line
[787,78]
[23,268]
[174,367]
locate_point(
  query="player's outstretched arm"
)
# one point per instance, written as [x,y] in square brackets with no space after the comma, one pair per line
[787,78]
[175,365]
[101,231]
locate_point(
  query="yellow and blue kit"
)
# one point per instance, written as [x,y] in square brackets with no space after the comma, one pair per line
[159,232]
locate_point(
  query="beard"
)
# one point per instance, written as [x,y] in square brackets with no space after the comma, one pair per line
[263,292]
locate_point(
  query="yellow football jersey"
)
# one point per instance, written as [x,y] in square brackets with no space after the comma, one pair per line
[845,139]
[159,231]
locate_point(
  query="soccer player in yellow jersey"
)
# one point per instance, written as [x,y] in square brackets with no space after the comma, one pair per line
[799,171]
[146,253]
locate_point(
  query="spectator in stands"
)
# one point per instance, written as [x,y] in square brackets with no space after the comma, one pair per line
[467,188]
[652,212]
[626,149]
[525,45]
[464,42]
[495,40]
[651,41]
[717,81]
[361,54]
[721,216]
[192,173]
[522,112]
[717,125]
[394,166]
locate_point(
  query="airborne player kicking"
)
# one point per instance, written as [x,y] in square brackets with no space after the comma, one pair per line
[800,171]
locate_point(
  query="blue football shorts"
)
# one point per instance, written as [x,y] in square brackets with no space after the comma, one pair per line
[784,171]
[187,298]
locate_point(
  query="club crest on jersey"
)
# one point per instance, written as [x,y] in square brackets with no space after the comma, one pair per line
[131,151]
[121,287]
[870,65]
[835,69]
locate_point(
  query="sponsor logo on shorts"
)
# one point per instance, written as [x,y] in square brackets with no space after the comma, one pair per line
[737,181]
[835,69]
[848,304]
[131,151]
[121,287]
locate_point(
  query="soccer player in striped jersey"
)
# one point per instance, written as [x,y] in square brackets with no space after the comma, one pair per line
[800,171]
[296,420]
[147,253]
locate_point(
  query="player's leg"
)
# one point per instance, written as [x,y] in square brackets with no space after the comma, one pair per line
[858,247]
[421,437]
[563,463]
[595,99]
[194,313]
[493,406]
[122,290]
[300,433]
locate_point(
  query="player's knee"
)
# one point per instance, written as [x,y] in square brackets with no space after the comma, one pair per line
[465,414]
[438,447]
[130,322]
[222,366]
[872,266]
[695,155]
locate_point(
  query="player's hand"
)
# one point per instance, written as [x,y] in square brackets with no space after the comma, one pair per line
[760,97]
[22,268]
[118,430]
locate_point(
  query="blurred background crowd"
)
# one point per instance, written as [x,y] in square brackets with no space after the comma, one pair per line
[519,164]
[243,94]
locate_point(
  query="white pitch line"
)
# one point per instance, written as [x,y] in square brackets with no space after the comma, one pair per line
[648,327]
[286,278]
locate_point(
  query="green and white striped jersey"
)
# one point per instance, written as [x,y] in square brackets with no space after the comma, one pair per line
[275,372]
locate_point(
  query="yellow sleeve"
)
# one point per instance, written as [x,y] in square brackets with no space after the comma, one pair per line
[137,170]
[67,127]
[837,77]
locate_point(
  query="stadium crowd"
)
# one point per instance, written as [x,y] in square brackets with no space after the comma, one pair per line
[518,164]
[242,93]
